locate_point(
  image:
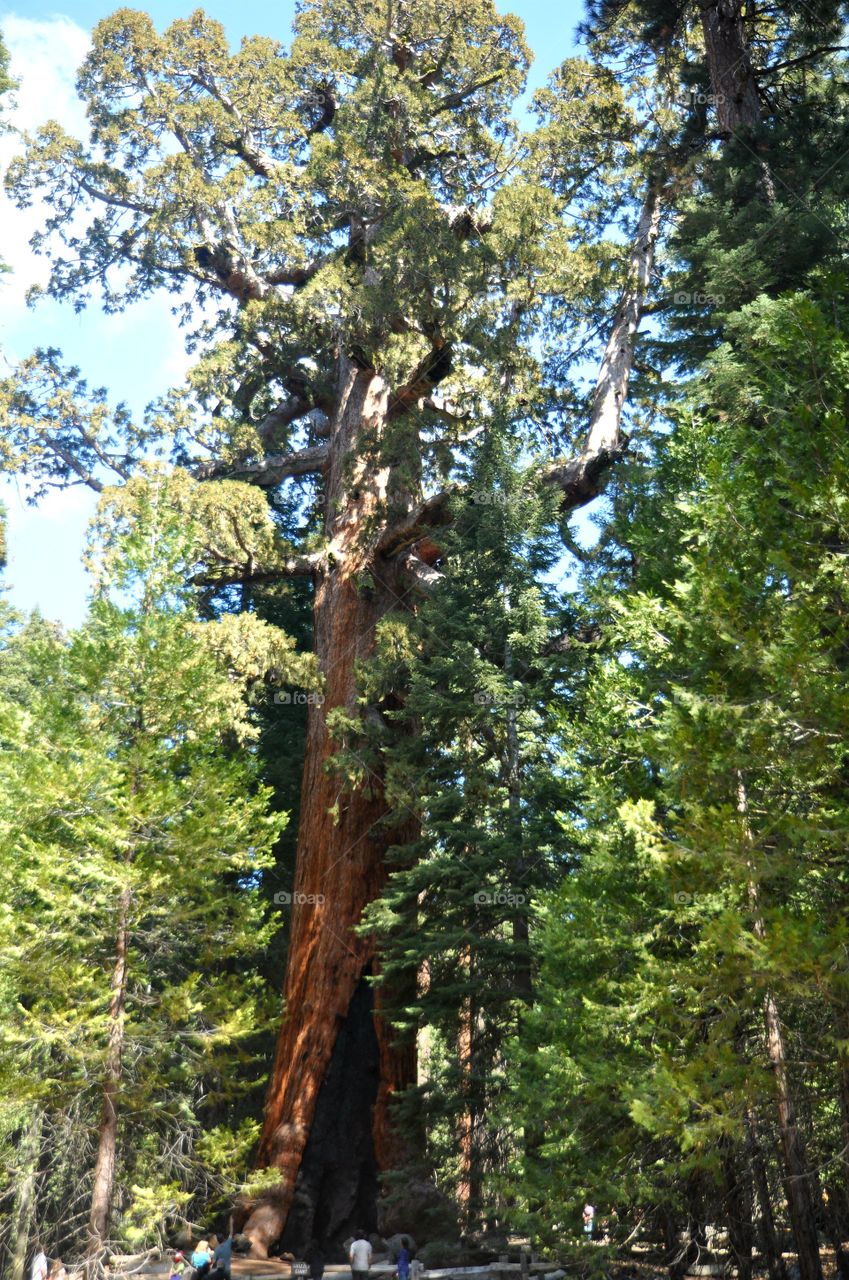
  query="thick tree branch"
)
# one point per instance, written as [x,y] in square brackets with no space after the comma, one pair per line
[327,100]
[611,389]
[456,99]
[429,514]
[580,478]
[267,473]
[257,161]
[73,463]
[296,276]
[465,222]
[297,566]
[435,366]
[797,62]
[264,166]
[425,577]
[283,416]
[441,410]
[118,202]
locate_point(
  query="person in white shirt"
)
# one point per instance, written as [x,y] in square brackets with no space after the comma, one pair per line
[39,1265]
[359,1255]
[588,1219]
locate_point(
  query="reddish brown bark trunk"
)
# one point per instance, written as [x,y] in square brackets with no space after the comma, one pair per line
[800,1202]
[468,1129]
[735,88]
[343,837]
[732,75]
[104,1169]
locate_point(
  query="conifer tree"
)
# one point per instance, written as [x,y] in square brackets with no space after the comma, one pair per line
[134,838]
[479,669]
[701,944]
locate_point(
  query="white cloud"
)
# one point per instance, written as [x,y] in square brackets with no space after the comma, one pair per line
[45,57]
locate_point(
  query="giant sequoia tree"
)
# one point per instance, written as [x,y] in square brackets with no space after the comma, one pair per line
[364,249]
[380,272]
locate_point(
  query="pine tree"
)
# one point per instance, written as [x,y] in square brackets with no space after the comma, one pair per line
[134,839]
[700,945]
[472,768]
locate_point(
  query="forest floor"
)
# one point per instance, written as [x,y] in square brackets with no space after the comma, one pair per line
[634,1266]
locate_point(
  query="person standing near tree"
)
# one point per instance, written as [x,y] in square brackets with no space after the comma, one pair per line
[588,1217]
[179,1266]
[360,1256]
[223,1259]
[202,1258]
[39,1265]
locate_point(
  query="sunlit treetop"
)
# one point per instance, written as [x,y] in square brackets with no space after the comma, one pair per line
[247,171]
[361,199]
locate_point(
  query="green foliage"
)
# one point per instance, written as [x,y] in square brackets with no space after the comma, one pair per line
[467,762]
[722,676]
[6,82]
[121,785]
[618,817]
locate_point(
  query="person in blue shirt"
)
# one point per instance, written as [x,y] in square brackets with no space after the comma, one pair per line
[202,1259]
[404,1262]
[223,1258]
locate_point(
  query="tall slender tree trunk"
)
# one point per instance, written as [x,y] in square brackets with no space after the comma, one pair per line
[512,773]
[611,390]
[534,1135]
[833,1218]
[843,1097]
[738,1211]
[30,1153]
[797,1177]
[107,1147]
[732,76]
[760,1178]
[341,860]
[800,1203]
[470,1120]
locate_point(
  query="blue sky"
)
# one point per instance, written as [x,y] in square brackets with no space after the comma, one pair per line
[137,355]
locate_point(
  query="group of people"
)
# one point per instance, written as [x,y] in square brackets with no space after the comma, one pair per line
[206,1262]
[360,1256]
[215,1263]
